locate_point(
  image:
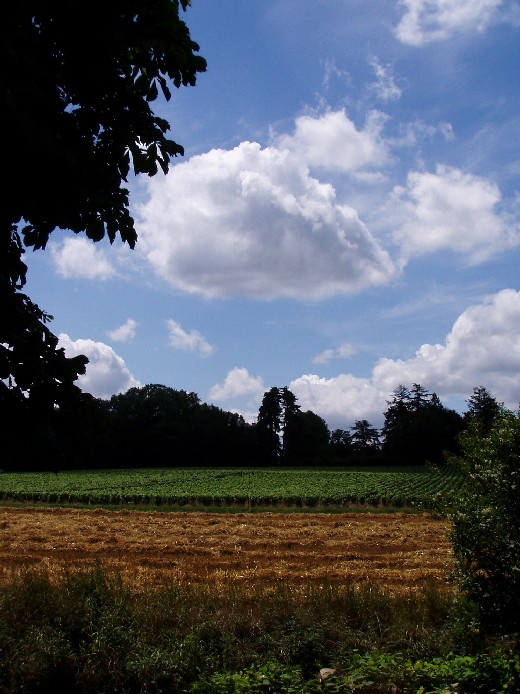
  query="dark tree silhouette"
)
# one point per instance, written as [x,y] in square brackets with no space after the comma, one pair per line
[76,89]
[418,428]
[482,410]
[279,406]
[306,438]
[365,438]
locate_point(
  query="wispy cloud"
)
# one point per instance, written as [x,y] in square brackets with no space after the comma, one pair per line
[385,86]
[344,351]
[191,341]
[436,20]
[125,332]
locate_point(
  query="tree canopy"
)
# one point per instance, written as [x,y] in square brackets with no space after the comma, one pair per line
[77,84]
[418,426]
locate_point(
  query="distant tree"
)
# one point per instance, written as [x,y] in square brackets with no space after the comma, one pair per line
[419,397]
[76,88]
[365,438]
[418,428]
[340,437]
[269,425]
[154,425]
[482,408]
[278,407]
[159,426]
[306,438]
[340,446]
[397,418]
[290,408]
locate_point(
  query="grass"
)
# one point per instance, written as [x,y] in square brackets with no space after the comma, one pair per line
[89,632]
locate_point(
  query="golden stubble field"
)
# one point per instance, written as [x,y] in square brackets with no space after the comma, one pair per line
[397,552]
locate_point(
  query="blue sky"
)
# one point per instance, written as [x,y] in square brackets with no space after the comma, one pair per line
[345,218]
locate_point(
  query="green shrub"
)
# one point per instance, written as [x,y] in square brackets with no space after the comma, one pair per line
[486,523]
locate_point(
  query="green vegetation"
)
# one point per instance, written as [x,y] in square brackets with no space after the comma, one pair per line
[90,633]
[486,522]
[259,487]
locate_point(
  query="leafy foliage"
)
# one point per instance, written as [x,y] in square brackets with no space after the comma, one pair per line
[76,88]
[486,522]
[90,632]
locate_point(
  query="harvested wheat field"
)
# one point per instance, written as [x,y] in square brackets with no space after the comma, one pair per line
[397,552]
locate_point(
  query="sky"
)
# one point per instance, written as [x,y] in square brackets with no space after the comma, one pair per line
[345,219]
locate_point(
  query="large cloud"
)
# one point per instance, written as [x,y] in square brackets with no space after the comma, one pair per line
[106,374]
[252,222]
[435,20]
[482,348]
[453,210]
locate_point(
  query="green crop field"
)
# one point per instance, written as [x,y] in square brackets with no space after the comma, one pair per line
[246,487]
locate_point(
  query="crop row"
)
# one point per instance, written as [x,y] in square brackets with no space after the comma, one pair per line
[242,487]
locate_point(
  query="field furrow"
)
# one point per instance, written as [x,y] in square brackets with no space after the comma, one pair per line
[396,551]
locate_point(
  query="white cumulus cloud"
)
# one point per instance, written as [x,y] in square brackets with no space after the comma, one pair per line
[125,332]
[191,341]
[436,20]
[333,142]
[252,222]
[340,400]
[238,384]
[79,257]
[482,348]
[451,210]
[106,373]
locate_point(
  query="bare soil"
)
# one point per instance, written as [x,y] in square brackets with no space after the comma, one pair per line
[398,552]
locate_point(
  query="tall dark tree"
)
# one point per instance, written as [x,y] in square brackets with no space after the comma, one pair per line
[278,407]
[269,425]
[420,397]
[482,410]
[397,417]
[159,426]
[76,88]
[365,438]
[290,408]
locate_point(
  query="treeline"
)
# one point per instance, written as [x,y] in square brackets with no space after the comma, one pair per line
[157,426]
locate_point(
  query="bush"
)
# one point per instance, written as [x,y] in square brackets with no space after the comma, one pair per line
[486,524]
